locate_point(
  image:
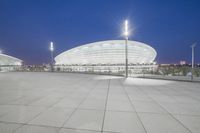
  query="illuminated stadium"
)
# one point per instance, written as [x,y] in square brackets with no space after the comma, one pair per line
[106,53]
[9,63]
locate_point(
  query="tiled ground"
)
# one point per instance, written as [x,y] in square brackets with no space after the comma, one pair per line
[81,103]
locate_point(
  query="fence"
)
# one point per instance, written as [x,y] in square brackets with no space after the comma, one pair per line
[143,71]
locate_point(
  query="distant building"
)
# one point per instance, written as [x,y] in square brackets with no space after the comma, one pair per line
[182,62]
[9,63]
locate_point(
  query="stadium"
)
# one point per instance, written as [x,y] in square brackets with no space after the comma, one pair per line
[9,63]
[106,56]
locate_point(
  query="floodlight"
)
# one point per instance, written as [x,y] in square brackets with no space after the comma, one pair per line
[126,32]
[51,46]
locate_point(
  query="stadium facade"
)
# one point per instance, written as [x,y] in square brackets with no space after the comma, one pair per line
[9,63]
[107,56]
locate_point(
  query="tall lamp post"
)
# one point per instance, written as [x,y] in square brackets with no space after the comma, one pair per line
[126,33]
[51,48]
[193,46]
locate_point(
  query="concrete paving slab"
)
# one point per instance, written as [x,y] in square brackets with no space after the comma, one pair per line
[63,130]
[54,117]
[44,102]
[149,107]
[86,119]
[119,106]
[36,129]
[191,122]
[8,127]
[22,114]
[185,109]
[124,122]
[93,104]
[160,123]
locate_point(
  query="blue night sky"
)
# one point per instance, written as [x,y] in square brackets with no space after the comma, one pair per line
[27,26]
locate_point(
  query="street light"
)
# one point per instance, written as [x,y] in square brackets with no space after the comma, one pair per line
[51,48]
[126,33]
[193,46]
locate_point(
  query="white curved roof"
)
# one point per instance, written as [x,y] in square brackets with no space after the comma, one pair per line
[9,60]
[107,52]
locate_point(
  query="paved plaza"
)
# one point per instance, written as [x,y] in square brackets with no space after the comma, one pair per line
[83,103]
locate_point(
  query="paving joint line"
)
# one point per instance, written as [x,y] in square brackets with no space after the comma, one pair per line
[167,110]
[75,109]
[185,94]
[38,115]
[104,115]
[133,106]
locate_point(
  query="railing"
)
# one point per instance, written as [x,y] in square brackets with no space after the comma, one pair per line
[183,73]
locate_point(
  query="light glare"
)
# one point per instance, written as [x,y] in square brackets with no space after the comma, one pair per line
[51,46]
[126,33]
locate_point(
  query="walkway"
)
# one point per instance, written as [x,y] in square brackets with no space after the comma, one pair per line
[81,103]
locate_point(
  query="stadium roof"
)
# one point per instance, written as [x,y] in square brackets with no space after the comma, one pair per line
[107,52]
[9,60]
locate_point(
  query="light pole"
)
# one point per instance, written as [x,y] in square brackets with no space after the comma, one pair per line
[126,33]
[193,46]
[51,48]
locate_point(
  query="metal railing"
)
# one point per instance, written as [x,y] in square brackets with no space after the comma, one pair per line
[142,71]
